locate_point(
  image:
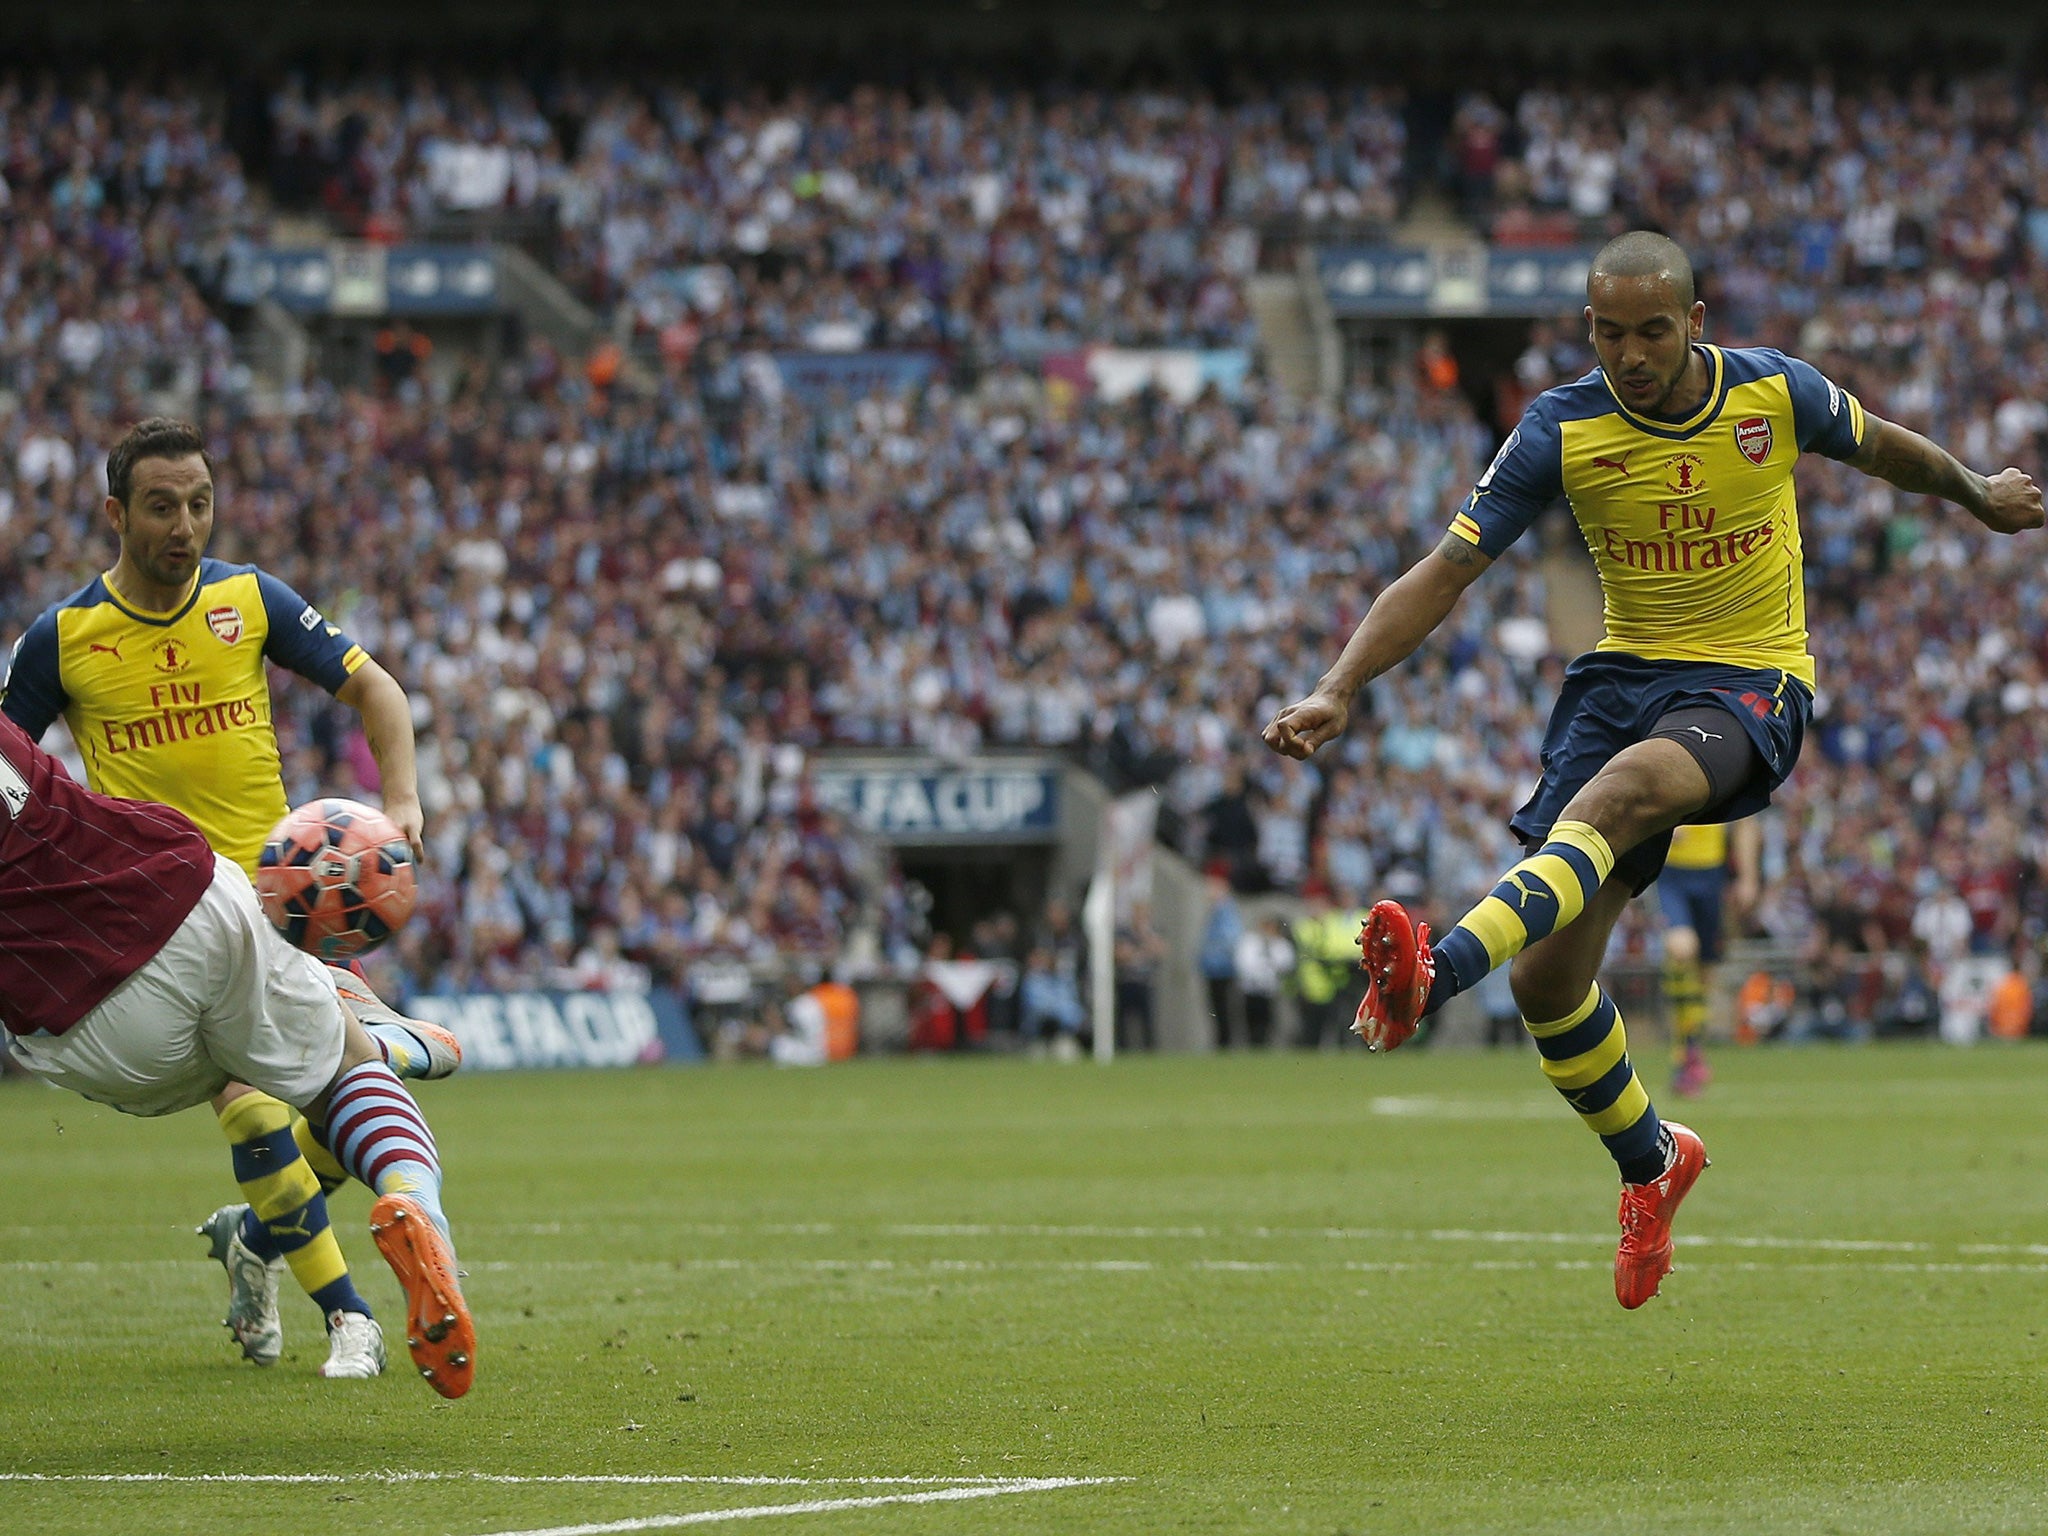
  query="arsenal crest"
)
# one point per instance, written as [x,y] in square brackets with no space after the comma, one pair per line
[1753,437]
[226,623]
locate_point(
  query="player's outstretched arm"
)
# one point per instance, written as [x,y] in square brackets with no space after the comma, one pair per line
[1746,859]
[1400,619]
[2006,502]
[376,695]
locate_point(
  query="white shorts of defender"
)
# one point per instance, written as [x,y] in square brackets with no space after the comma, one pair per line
[226,1000]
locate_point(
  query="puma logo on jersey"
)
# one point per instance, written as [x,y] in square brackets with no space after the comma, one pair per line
[113,650]
[1526,893]
[1619,466]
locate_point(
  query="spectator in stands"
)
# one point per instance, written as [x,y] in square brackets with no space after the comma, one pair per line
[1230,834]
[1050,1009]
[1217,958]
[1326,952]
[1264,961]
[1139,949]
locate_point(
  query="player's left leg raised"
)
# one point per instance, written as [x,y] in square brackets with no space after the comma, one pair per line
[1541,895]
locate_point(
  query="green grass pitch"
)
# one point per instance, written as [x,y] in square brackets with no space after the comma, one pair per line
[1283,1294]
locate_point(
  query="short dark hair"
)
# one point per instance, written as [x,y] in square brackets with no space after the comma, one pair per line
[1645,253]
[160,437]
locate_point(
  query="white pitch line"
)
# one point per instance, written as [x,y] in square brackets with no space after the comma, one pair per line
[813,1507]
[618,1479]
[1033,1229]
[1696,1264]
[1379,1235]
[853,1266]
[1426,1108]
[1735,1266]
[1432,1235]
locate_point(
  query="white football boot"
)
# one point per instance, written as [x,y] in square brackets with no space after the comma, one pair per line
[355,1347]
[403,1049]
[252,1287]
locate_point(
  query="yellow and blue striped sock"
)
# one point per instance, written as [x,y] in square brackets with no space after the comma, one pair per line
[330,1173]
[1533,900]
[287,1212]
[1585,1056]
[1685,996]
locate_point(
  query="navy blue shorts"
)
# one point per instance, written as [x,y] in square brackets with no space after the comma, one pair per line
[1691,898]
[1612,700]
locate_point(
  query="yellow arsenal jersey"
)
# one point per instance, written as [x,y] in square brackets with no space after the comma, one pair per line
[175,706]
[1693,524]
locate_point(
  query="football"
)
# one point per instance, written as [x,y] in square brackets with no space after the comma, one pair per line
[336,878]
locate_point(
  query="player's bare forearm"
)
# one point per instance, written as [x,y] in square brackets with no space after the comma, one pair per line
[2006,502]
[386,712]
[1400,619]
[1404,615]
[1746,859]
[1913,463]
[1746,848]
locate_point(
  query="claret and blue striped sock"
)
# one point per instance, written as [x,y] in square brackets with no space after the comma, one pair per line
[375,1131]
[1533,900]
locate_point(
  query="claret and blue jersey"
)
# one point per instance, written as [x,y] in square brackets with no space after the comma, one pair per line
[176,705]
[1693,524]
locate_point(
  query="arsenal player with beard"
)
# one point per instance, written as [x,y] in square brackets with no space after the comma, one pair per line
[159,666]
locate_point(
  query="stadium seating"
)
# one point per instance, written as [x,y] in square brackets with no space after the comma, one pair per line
[627,619]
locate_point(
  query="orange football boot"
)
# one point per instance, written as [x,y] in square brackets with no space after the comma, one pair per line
[1644,1257]
[438,1329]
[1399,969]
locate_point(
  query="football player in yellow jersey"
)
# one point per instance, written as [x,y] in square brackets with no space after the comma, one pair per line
[1676,458]
[158,668]
[1691,890]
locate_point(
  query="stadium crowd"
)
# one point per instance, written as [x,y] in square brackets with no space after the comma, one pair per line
[626,619]
[996,226]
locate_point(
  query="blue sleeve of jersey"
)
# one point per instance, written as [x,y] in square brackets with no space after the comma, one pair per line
[1526,476]
[302,641]
[1826,418]
[33,695]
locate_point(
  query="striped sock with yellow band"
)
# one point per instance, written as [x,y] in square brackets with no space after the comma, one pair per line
[1685,998]
[1585,1056]
[1533,900]
[330,1173]
[287,1216]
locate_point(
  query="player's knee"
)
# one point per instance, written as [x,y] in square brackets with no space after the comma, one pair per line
[1636,796]
[356,1045]
[1682,945]
[229,1094]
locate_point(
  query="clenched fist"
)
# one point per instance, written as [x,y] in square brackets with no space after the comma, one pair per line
[1299,729]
